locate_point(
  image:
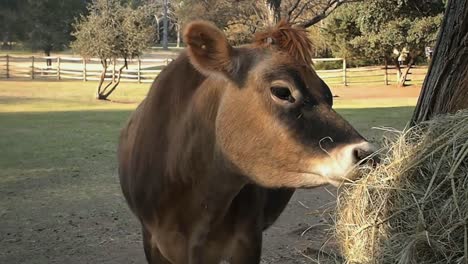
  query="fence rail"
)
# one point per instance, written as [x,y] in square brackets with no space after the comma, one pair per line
[145,70]
[63,68]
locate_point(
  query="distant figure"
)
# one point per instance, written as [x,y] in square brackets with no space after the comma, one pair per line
[402,58]
[428,52]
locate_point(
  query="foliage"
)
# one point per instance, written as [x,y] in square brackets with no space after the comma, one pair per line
[242,18]
[340,29]
[375,28]
[40,24]
[11,24]
[112,31]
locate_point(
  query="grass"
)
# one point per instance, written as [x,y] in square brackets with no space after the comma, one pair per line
[375,77]
[58,186]
[45,123]
[56,96]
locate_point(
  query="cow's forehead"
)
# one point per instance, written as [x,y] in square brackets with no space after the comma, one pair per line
[278,65]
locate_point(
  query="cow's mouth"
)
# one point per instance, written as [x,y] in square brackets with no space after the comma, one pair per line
[339,166]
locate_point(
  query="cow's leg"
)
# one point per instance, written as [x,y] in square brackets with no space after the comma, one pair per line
[248,248]
[247,210]
[275,202]
[214,209]
[198,241]
[152,253]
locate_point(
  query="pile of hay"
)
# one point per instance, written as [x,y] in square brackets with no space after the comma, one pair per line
[414,207]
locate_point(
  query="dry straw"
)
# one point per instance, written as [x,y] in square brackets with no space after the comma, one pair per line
[414,207]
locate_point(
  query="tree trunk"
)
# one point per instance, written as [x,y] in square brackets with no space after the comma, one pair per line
[178,34]
[404,75]
[273,11]
[104,93]
[48,61]
[445,89]
[101,79]
[158,40]
[386,70]
[165,26]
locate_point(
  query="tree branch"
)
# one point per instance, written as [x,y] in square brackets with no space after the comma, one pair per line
[327,10]
[294,7]
[118,79]
[300,12]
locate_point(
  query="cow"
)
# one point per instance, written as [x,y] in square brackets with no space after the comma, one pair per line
[212,155]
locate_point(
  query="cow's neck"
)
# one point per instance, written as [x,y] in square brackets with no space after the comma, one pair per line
[195,154]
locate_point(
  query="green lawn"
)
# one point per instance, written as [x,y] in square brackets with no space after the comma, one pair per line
[58,186]
[48,125]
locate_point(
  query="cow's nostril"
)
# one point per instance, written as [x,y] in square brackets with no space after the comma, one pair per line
[365,153]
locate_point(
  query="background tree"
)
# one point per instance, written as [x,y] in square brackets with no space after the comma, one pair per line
[373,29]
[38,24]
[306,13]
[445,89]
[49,23]
[11,23]
[113,31]
[242,18]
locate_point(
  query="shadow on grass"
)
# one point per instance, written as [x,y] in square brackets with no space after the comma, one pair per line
[59,188]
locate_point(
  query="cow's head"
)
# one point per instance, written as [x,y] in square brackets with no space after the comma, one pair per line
[275,121]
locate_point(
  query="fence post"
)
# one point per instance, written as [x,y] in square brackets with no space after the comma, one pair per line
[344,73]
[84,70]
[114,61]
[139,69]
[32,67]
[58,68]
[386,73]
[7,66]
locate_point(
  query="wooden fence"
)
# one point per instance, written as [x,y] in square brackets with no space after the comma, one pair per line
[145,70]
[66,68]
[368,75]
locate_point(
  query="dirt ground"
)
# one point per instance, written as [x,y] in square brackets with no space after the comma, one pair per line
[62,215]
[375,91]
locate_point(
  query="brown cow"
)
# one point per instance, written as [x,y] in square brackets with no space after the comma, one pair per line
[212,156]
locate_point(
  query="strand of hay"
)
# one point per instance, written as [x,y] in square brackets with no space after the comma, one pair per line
[414,207]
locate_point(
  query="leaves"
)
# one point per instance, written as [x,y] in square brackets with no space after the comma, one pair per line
[40,24]
[112,30]
[373,29]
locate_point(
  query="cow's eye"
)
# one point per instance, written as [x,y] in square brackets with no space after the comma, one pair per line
[282,93]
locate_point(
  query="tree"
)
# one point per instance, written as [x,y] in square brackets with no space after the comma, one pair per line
[380,27]
[445,89]
[242,18]
[49,23]
[112,31]
[39,24]
[306,13]
[165,24]
[11,23]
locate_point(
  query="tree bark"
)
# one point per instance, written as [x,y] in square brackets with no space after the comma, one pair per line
[104,93]
[48,61]
[445,89]
[404,75]
[178,34]
[273,11]
[102,78]
[165,25]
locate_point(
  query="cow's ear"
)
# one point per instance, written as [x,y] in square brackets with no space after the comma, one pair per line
[208,48]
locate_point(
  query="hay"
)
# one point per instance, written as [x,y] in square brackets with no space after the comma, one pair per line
[414,207]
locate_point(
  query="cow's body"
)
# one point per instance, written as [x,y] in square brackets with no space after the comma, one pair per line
[206,170]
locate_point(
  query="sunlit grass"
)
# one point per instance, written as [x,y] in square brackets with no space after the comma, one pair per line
[375,102]
[52,96]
